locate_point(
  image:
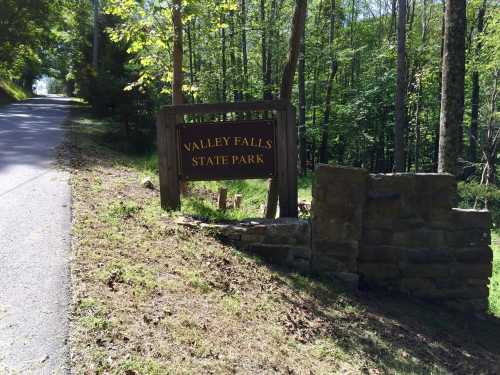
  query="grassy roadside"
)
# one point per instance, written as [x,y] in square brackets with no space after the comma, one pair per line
[150,297]
[253,192]
[10,92]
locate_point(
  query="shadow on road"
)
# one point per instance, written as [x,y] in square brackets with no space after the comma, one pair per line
[30,130]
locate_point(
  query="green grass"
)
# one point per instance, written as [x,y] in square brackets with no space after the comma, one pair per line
[10,92]
[495,279]
[254,193]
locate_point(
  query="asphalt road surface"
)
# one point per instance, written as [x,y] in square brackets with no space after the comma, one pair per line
[35,220]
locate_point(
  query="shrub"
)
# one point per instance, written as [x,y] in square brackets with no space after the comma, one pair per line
[472,194]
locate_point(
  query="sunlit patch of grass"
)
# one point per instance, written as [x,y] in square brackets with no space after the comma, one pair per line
[120,210]
[206,209]
[327,349]
[151,211]
[195,280]
[232,305]
[138,276]
[93,315]
[187,330]
[97,184]
[138,365]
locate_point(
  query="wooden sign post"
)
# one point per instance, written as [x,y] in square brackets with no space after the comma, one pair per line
[228,149]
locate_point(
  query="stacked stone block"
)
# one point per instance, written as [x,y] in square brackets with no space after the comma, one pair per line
[283,241]
[400,232]
[336,215]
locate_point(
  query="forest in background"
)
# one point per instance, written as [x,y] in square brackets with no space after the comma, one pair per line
[119,56]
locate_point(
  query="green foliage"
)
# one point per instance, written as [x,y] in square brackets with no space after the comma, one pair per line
[9,92]
[475,195]
[231,53]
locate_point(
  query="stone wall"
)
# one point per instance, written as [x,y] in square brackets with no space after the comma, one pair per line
[284,241]
[401,232]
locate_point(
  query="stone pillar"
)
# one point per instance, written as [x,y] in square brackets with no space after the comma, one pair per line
[339,196]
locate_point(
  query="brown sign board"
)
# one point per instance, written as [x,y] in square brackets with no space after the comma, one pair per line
[227,150]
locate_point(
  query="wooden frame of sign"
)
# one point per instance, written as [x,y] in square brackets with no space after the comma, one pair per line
[285,148]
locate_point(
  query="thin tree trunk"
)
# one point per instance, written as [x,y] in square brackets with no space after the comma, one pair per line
[351,37]
[493,134]
[313,102]
[417,127]
[268,80]
[302,106]
[400,115]
[95,46]
[263,46]
[190,51]
[235,65]
[223,67]
[475,92]
[244,51]
[178,75]
[452,96]
[440,79]
[323,151]
[393,20]
[286,86]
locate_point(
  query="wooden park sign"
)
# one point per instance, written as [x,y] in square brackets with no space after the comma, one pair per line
[228,149]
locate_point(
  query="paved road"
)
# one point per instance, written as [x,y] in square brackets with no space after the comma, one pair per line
[35,224]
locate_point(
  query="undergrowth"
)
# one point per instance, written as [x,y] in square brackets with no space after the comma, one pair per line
[10,92]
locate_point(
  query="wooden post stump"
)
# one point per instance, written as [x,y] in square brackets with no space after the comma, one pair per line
[237,200]
[222,199]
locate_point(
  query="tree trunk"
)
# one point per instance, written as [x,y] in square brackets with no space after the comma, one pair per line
[263,46]
[178,75]
[268,78]
[223,64]
[435,155]
[493,133]
[302,107]
[400,108]
[392,29]
[323,151]
[244,51]
[452,92]
[475,92]
[95,45]
[235,64]
[190,51]
[417,126]
[286,86]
